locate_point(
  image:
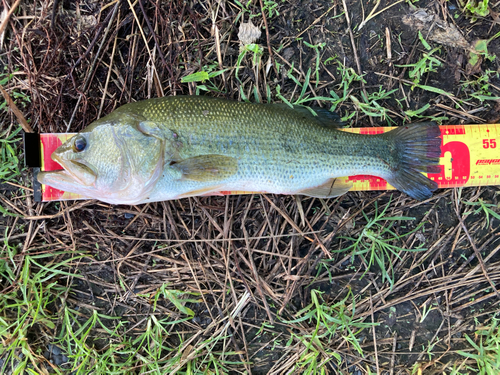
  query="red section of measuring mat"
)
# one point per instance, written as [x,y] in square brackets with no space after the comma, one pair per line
[374,183]
[371,131]
[49,144]
[452,129]
[460,166]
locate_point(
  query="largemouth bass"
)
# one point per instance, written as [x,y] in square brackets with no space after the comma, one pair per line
[181,146]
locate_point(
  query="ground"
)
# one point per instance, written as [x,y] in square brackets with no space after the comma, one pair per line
[257,284]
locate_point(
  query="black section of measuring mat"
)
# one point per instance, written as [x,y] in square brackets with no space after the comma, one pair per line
[37,186]
[33,159]
[32,153]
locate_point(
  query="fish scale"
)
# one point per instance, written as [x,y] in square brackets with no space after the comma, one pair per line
[276,148]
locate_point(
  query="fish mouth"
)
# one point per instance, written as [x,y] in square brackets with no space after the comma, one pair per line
[78,170]
[60,179]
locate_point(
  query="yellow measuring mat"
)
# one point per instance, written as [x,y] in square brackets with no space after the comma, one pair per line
[470,156]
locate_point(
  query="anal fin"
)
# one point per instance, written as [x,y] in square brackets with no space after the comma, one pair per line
[333,187]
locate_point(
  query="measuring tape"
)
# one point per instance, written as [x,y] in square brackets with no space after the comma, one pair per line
[470,156]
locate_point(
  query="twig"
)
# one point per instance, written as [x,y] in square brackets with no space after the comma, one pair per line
[107,21]
[108,76]
[354,50]
[60,213]
[269,49]
[393,357]
[374,335]
[55,8]
[6,20]
[92,67]
[157,45]
[373,14]
[315,21]
[151,57]
[7,201]
[22,121]
[476,251]
[258,282]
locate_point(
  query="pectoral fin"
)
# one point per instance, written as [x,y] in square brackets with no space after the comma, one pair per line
[207,168]
[334,187]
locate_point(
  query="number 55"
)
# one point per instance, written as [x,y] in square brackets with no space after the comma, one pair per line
[489,143]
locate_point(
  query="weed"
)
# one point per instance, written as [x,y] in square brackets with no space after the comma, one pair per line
[475,8]
[256,51]
[303,99]
[426,64]
[30,303]
[174,297]
[271,8]
[208,72]
[418,113]
[370,106]
[27,306]
[21,98]
[149,351]
[9,161]
[480,88]
[330,321]
[487,356]
[426,310]
[485,207]
[317,49]
[347,77]
[10,165]
[244,9]
[430,348]
[377,242]
[480,51]
[263,327]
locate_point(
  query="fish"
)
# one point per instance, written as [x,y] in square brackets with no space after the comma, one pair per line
[181,146]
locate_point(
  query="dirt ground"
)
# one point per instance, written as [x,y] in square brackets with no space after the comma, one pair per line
[246,266]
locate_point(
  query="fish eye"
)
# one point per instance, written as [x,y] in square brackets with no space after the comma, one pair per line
[79,144]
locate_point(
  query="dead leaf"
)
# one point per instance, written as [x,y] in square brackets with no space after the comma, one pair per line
[449,35]
[437,30]
[248,33]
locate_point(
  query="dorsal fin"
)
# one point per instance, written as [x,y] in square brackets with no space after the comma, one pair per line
[321,115]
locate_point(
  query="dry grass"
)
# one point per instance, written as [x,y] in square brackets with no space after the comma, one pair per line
[255,284]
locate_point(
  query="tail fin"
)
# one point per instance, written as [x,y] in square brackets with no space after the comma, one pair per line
[419,149]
